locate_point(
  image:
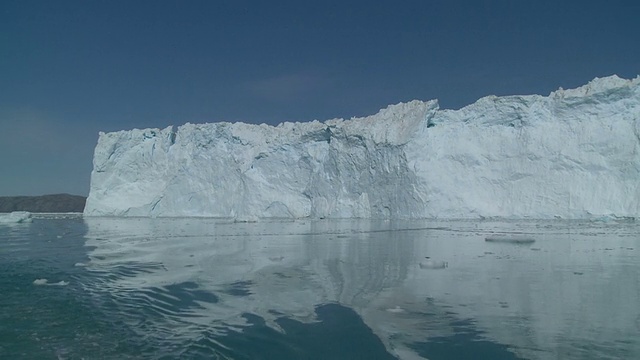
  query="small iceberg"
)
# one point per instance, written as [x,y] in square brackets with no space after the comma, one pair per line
[429,263]
[46,282]
[510,239]
[395,310]
[16,217]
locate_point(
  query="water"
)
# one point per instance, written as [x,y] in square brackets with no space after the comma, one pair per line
[213,289]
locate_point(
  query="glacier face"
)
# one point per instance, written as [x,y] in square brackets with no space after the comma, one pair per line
[572,154]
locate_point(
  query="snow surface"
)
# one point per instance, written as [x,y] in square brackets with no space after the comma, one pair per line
[572,154]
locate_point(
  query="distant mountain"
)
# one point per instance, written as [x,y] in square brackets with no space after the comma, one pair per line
[45,203]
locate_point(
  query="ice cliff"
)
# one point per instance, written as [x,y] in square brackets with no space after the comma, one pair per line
[572,154]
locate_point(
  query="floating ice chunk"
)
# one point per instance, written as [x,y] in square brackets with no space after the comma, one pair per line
[510,239]
[433,264]
[16,217]
[246,219]
[395,310]
[46,282]
[406,354]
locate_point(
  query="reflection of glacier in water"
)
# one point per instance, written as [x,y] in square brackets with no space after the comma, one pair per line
[573,293]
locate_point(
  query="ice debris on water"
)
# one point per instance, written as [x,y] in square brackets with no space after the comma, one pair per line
[46,282]
[429,263]
[510,239]
[395,310]
[16,217]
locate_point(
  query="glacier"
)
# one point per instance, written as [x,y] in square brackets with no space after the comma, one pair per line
[574,154]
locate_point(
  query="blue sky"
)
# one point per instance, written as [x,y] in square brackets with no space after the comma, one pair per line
[69,69]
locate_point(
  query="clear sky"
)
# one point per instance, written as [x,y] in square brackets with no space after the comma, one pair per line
[69,69]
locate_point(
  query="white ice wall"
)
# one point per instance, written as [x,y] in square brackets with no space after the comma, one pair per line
[573,154]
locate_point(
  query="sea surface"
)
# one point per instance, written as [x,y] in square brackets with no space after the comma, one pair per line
[103,288]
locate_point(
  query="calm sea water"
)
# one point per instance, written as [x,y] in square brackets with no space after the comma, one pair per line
[100,288]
